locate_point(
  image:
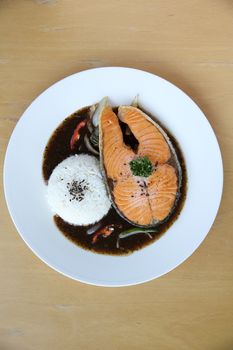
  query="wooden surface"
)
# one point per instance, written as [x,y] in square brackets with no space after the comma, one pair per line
[188,42]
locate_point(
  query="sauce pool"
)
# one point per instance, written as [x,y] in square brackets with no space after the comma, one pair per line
[58,149]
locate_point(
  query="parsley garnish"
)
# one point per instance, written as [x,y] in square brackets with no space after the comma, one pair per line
[141,166]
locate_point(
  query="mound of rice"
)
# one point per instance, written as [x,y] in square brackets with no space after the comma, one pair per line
[76,190]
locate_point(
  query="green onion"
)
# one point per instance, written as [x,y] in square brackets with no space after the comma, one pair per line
[134,231]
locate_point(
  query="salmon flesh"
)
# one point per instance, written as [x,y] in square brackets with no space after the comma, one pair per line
[143,201]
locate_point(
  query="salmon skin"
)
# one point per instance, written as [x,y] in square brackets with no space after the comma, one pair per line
[143,201]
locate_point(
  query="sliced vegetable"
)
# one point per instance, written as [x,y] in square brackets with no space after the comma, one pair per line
[93,229]
[76,134]
[89,146]
[105,232]
[101,105]
[90,126]
[134,103]
[92,110]
[134,231]
[94,138]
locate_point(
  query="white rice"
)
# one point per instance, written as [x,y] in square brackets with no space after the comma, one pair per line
[74,206]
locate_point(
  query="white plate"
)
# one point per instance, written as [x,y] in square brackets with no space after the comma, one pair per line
[25,188]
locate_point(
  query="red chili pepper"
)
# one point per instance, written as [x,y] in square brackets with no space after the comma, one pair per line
[76,134]
[105,231]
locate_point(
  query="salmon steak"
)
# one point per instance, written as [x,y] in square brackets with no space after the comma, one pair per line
[143,181]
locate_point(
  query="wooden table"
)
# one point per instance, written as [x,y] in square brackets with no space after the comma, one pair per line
[190,44]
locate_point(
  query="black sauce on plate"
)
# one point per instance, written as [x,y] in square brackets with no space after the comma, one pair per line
[58,149]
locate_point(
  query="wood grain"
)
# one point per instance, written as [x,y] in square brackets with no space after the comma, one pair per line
[186,42]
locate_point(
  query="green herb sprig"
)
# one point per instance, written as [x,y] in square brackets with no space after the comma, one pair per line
[141,166]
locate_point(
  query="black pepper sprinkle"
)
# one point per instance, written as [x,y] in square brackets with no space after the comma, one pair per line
[77,190]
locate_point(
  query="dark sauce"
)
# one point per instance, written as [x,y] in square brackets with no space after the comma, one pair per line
[58,149]
[128,136]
